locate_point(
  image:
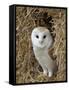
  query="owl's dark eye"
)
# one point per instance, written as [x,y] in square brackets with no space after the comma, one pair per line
[44,36]
[37,36]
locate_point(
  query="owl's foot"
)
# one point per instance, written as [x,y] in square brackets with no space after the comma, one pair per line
[45,72]
[50,74]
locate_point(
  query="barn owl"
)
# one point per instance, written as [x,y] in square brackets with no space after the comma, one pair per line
[41,42]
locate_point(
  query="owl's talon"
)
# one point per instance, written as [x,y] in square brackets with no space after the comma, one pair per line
[50,74]
[45,72]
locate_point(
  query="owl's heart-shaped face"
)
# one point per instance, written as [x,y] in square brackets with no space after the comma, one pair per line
[41,37]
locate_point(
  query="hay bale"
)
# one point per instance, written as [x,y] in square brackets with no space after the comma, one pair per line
[28,69]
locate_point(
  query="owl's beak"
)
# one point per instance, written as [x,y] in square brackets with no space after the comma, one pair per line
[41,41]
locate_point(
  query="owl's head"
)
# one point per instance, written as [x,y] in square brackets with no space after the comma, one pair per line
[41,37]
